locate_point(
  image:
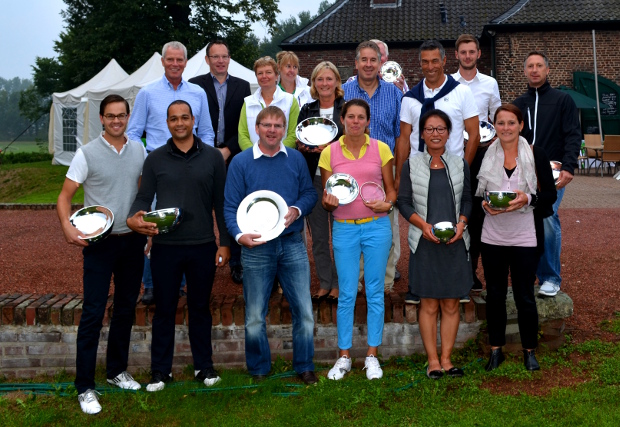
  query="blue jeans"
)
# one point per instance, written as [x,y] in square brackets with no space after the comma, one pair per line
[119,257]
[374,240]
[287,257]
[549,266]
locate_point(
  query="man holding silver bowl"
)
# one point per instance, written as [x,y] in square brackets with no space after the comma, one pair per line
[189,175]
[109,168]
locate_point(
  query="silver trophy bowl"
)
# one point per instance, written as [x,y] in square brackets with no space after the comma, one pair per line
[499,200]
[556,168]
[95,222]
[166,219]
[444,231]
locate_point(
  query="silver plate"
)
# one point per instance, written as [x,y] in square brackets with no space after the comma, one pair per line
[262,212]
[166,219]
[95,222]
[556,168]
[343,186]
[486,131]
[391,71]
[316,131]
[371,192]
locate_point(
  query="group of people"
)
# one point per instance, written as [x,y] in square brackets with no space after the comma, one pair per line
[210,142]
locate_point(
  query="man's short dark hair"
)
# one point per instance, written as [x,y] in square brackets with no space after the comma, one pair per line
[367,44]
[466,38]
[111,99]
[179,102]
[214,42]
[534,53]
[432,45]
[271,111]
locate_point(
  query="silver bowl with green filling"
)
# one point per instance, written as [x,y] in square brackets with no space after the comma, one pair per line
[499,200]
[166,219]
[444,231]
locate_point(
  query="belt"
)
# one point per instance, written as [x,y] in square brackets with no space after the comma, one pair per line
[122,234]
[357,221]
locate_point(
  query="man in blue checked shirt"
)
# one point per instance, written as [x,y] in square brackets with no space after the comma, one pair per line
[150,113]
[384,100]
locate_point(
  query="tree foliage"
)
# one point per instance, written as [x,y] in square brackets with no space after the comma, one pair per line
[11,121]
[131,30]
[288,27]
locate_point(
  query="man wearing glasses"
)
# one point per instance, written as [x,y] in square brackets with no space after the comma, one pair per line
[269,165]
[441,91]
[225,94]
[109,168]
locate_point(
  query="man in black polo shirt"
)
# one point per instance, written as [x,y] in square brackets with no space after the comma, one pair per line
[188,174]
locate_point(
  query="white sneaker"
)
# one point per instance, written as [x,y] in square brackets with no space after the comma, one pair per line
[207,376]
[341,367]
[125,381]
[88,402]
[158,381]
[373,368]
[549,289]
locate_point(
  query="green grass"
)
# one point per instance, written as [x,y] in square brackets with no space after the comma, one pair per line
[403,397]
[38,182]
[24,146]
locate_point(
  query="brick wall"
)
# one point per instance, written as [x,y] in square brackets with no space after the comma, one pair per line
[38,332]
[567,52]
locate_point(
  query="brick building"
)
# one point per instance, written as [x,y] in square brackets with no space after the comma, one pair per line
[507,30]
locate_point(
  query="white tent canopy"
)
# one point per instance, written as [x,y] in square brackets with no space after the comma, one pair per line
[67,113]
[88,97]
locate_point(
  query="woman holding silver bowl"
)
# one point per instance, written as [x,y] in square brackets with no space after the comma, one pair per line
[326,90]
[267,94]
[359,227]
[434,189]
[512,239]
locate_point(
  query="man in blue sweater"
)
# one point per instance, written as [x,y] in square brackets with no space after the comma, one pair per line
[269,165]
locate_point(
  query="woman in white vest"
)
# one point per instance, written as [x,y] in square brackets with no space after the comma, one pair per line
[267,94]
[290,81]
[434,188]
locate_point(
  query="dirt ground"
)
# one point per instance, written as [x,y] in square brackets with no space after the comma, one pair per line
[34,257]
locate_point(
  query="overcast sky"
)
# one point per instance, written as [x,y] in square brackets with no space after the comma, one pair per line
[30,27]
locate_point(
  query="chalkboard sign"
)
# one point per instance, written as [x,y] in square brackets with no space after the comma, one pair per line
[611,99]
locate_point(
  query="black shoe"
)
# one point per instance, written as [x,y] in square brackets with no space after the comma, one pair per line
[529,360]
[158,381]
[434,375]
[397,275]
[259,378]
[477,285]
[308,377]
[147,298]
[208,376]
[496,359]
[236,273]
[455,372]
[412,299]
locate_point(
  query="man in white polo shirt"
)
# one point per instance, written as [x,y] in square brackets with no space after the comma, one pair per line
[441,91]
[486,94]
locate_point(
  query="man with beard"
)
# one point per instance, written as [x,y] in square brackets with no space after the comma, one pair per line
[486,93]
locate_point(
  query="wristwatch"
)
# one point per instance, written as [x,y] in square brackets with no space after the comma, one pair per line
[391,206]
[534,200]
[464,222]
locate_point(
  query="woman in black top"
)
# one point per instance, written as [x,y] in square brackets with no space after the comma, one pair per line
[327,91]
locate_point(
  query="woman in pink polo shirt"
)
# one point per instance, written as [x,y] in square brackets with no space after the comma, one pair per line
[359,227]
[512,239]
